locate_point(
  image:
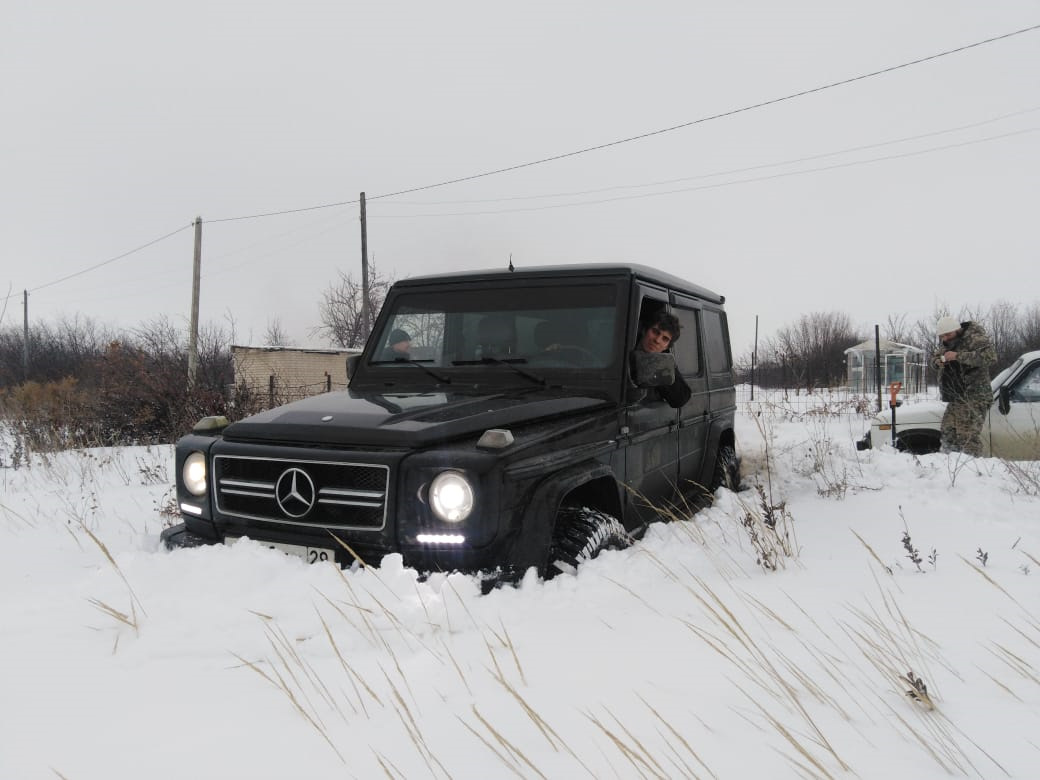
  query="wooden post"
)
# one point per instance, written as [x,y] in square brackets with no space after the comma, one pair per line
[366,324]
[25,336]
[193,328]
[877,363]
[754,359]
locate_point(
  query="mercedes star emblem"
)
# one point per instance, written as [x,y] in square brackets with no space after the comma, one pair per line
[295,492]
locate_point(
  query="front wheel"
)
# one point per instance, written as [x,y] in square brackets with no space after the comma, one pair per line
[727,469]
[580,535]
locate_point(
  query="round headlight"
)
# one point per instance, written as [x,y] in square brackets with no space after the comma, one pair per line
[451,496]
[194,473]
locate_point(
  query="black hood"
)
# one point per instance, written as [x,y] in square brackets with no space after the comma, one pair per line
[414,420]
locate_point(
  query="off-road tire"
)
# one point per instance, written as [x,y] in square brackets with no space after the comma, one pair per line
[918,443]
[580,535]
[727,469]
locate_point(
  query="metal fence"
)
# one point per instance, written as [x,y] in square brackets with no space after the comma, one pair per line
[836,399]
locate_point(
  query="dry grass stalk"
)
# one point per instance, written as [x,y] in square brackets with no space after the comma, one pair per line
[791,739]
[351,674]
[134,601]
[288,659]
[512,650]
[635,595]
[509,764]
[494,661]
[462,603]
[554,739]
[771,614]
[122,617]
[927,744]
[873,554]
[686,745]
[455,663]
[999,684]
[630,755]
[993,582]
[280,685]
[364,612]
[505,742]
[386,765]
[414,732]
[769,527]
[1017,664]
[648,755]
[781,689]
[8,512]
[1021,633]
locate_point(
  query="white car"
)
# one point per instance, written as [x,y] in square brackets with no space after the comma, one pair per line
[1011,429]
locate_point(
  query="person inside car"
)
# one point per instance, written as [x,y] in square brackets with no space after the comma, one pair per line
[657,334]
[398,346]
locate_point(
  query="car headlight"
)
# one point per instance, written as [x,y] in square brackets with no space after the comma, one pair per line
[193,473]
[451,496]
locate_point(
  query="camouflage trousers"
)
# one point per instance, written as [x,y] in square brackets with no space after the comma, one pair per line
[961,426]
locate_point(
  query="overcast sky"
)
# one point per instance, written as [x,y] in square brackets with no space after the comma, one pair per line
[123,121]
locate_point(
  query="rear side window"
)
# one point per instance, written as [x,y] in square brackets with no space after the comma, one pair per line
[687,349]
[716,341]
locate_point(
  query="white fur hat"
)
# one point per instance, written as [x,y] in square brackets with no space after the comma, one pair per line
[946,324]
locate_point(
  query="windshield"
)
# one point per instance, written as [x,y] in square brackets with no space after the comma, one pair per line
[544,327]
[998,380]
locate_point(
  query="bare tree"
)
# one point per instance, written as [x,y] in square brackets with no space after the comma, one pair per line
[341,310]
[813,348]
[1029,329]
[275,336]
[898,328]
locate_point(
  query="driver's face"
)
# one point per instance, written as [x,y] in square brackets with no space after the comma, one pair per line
[656,340]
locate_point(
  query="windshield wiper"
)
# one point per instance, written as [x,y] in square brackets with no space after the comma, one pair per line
[396,361]
[508,363]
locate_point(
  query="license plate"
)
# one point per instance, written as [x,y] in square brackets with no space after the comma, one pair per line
[309,554]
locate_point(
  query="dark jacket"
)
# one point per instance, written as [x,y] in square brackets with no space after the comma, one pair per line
[966,378]
[677,393]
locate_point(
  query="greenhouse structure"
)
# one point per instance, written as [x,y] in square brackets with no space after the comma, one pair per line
[899,363]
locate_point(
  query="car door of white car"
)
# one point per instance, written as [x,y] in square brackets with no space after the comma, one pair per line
[1016,435]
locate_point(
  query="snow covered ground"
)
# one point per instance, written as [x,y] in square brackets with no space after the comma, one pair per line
[822,650]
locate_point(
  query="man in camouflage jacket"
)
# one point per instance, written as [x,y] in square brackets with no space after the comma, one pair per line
[962,362]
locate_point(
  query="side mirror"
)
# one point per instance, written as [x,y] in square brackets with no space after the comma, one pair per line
[653,369]
[1004,400]
[352,363]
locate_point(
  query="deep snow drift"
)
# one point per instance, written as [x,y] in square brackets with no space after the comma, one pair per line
[821,650]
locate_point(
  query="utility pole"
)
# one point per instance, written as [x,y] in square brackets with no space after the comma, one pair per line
[877,364]
[754,359]
[193,333]
[366,325]
[25,336]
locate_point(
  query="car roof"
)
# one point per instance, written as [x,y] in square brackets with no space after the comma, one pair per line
[585,270]
[1028,357]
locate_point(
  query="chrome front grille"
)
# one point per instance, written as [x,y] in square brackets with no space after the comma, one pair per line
[326,494]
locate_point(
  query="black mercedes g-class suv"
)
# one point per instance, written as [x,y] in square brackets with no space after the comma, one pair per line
[495,421]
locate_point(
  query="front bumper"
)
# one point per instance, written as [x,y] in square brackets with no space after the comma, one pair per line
[178,536]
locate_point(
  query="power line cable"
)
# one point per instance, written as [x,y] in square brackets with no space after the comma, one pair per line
[110,260]
[652,133]
[712,186]
[554,158]
[730,172]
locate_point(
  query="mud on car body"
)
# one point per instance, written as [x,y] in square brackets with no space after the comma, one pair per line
[519,430]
